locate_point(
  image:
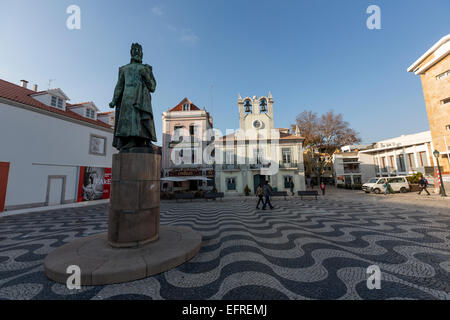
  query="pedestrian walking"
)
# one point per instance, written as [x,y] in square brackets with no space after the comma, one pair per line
[387,187]
[260,195]
[423,183]
[322,187]
[291,186]
[267,189]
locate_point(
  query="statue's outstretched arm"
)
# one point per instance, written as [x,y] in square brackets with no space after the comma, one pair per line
[148,78]
[118,90]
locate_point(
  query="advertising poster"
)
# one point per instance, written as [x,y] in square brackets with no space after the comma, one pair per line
[94,183]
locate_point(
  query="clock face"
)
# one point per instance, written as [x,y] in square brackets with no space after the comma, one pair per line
[257,124]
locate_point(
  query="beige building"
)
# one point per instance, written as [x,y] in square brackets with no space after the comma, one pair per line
[258,151]
[434,70]
[185,136]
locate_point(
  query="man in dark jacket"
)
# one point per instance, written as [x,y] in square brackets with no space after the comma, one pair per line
[267,189]
[423,183]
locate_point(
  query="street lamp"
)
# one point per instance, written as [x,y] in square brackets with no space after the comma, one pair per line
[442,189]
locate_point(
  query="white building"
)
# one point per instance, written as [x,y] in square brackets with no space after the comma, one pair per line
[258,151]
[399,156]
[45,141]
[403,155]
[351,166]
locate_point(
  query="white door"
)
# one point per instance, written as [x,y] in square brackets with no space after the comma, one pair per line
[55,191]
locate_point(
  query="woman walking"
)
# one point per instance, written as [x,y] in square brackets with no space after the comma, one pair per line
[260,195]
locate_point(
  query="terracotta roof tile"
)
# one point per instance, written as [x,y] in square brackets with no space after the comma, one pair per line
[179,106]
[22,95]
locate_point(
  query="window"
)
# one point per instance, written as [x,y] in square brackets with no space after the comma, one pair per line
[191,130]
[286,153]
[60,103]
[97,145]
[401,162]
[177,135]
[186,107]
[443,75]
[445,101]
[287,181]
[90,113]
[422,158]
[193,156]
[391,161]
[210,183]
[383,162]
[411,161]
[231,183]
[229,157]
[53,103]
[258,155]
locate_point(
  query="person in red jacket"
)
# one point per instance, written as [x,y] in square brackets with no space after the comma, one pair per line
[322,187]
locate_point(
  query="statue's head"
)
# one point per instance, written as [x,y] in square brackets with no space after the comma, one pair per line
[136,52]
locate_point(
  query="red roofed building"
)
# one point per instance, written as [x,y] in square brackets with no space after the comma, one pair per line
[47,143]
[258,151]
[185,128]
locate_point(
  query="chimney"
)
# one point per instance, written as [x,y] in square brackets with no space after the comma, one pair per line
[23,83]
[35,87]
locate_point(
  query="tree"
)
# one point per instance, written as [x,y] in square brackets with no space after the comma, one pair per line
[323,135]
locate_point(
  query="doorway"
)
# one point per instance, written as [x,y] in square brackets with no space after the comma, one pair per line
[56,188]
[257,179]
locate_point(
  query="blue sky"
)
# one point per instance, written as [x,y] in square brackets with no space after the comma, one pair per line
[312,55]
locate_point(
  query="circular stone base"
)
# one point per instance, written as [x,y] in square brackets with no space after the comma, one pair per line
[102,264]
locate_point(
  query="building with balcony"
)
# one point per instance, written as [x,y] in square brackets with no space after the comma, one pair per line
[258,151]
[186,130]
[433,67]
[351,167]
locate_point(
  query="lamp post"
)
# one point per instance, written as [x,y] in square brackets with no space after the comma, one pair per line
[441,189]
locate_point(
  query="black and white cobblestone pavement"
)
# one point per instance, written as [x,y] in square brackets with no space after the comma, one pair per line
[300,250]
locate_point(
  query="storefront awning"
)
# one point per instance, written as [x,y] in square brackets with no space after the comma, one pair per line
[175,179]
[198,178]
[178,179]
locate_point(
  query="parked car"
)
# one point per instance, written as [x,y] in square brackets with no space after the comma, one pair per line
[398,184]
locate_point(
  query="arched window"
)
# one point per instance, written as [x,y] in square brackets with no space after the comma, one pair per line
[263,105]
[248,106]
[186,107]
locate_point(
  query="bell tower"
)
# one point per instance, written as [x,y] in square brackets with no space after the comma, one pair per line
[256,113]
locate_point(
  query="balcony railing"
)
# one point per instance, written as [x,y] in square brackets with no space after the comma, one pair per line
[231,166]
[259,165]
[288,165]
[352,171]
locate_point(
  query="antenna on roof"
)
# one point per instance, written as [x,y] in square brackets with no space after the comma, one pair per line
[50,83]
[212,99]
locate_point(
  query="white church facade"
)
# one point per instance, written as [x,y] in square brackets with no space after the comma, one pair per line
[258,152]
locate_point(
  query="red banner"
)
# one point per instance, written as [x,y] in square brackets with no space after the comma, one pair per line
[4,171]
[94,184]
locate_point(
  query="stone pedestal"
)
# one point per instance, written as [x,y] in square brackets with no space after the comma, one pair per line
[134,211]
[135,246]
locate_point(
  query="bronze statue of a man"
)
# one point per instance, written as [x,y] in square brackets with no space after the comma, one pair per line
[134,125]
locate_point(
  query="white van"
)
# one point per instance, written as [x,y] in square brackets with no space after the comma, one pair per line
[398,184]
